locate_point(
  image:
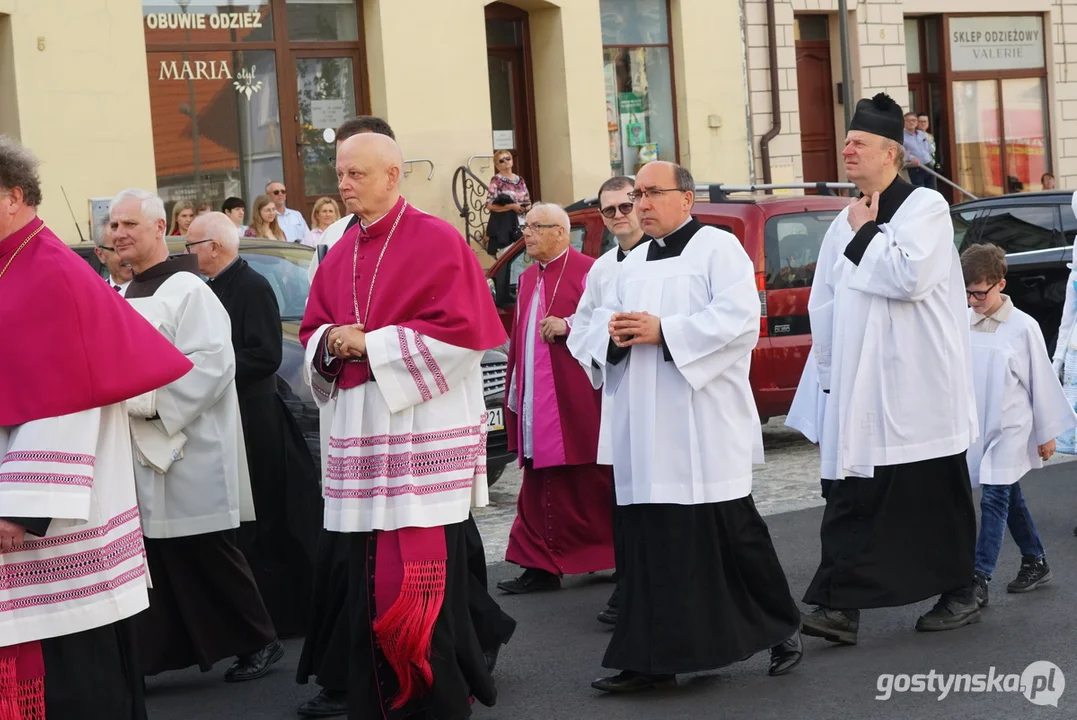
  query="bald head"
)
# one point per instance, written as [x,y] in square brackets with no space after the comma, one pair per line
[549,214]
[369,168]
[214,239]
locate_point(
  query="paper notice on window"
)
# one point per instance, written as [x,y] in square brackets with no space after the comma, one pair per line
[327,113]
[504,140]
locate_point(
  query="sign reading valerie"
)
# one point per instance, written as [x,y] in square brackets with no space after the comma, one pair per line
[996,43]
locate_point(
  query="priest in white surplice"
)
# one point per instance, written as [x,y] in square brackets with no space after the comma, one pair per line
[190,467]
[891,341]
[396,325]
[702,586]
[588,343]
[71,551]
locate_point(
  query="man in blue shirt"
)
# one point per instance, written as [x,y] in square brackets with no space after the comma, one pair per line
[918,153]
[291,221]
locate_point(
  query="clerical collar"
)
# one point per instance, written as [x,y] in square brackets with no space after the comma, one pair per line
[891,199]
[662,240]
[622,253]
[174,264]
[543,265]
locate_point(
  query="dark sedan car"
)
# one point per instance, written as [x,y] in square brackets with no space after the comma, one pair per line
[1037,231]
[285,265]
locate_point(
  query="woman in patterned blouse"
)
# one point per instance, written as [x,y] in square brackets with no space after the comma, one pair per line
[508,200]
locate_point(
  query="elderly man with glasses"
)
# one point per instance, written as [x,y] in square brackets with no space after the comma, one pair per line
[701,584]
[291,221]
[563,523]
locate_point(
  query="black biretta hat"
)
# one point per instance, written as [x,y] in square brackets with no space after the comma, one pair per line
[880,116]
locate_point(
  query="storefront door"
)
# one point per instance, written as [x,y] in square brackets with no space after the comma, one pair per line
[818,145]
[512,97]
[325,95]
[241,93]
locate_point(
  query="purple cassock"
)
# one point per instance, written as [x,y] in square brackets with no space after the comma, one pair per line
[563,514]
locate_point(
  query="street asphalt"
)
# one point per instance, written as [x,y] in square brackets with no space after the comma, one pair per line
[545,672]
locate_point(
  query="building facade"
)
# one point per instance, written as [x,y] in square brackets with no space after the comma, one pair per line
[205,99]
[994,82]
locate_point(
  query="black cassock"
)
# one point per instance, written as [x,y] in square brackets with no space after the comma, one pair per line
[280,544]
[701,586]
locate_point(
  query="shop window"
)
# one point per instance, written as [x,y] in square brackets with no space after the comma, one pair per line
[639,83]
[222,124]
[216,124]
[1024,122]
[321,20]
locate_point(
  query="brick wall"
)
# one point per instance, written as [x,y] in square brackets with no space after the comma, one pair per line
[879,66]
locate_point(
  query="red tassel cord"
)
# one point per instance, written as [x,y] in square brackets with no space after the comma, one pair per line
[406,630]
[20,699]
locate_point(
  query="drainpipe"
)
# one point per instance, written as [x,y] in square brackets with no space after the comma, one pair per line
[775,104]
[747,91]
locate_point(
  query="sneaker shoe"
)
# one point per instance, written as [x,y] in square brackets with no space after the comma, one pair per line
[981,590]
[1033,573]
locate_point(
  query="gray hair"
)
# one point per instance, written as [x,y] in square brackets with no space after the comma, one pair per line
[220,228]
[683,179]
[102,228]
[153,208]
[18,169]
[899,152]
[556,211]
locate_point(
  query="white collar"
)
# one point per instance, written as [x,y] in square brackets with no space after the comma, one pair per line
[542,264]
[364,226]
[662,240]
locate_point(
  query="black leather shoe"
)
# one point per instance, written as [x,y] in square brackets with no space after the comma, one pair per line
[608,616]
[954,609]
[837,626]
[786,656]
[629,681]
[532,580]
[327,703]
[255,665]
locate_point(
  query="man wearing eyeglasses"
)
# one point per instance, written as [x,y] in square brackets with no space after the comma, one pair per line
[280,544]
[702,586]
[119,271]
[191,473]
[291,221]
[588,341]
[563,522]
[890,335]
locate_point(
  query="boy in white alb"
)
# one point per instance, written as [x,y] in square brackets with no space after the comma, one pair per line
[1021,408]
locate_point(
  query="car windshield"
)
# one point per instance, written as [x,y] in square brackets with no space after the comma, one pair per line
[285,268]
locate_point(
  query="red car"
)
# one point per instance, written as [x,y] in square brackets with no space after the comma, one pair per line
[781,234]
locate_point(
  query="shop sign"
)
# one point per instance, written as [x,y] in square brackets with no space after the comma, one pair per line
[996,43]
[204,21]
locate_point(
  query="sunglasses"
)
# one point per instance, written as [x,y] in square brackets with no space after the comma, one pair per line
[980,295]
[611,211]
[278,192]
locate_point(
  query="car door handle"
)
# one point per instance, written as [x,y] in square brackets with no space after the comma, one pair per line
[1030,281]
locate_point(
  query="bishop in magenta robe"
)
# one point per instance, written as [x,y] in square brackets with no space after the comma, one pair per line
[563,524]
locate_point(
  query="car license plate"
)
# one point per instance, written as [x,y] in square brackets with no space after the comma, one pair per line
[495,419]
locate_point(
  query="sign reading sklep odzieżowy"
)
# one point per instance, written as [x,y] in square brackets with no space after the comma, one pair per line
[996,43]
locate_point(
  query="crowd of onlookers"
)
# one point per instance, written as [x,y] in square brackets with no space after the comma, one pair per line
[271,218]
